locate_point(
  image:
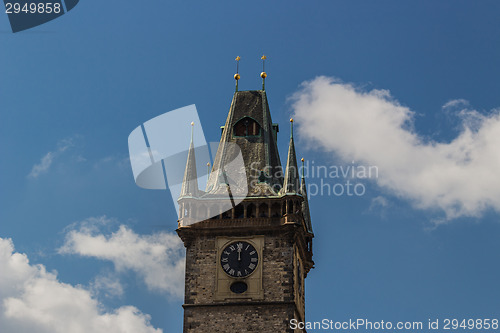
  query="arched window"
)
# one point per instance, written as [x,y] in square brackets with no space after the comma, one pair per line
[238,212]
[276,210]
[202,212]
[251,210]
[263,210]
[246,127]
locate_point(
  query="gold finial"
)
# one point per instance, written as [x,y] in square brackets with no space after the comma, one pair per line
[302,159]
[237,75]
[291,120]
[237,66]
[263,75]
[192,123]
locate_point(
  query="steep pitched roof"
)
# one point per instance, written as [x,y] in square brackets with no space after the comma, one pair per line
[305,203]
[291,184]
[257,145]
[190,180]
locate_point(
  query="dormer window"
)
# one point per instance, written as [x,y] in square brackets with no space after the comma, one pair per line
[246,127]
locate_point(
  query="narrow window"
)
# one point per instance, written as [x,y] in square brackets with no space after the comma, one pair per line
[246,127]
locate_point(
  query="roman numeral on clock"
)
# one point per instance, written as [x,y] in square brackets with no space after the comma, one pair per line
[239,259]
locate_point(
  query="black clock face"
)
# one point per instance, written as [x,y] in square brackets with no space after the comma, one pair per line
[239,259]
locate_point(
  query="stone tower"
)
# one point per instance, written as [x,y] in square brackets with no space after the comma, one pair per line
[248,235]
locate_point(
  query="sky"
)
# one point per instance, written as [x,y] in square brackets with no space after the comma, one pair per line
[407,88]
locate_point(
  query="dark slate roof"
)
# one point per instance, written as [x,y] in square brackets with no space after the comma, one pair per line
[258,152]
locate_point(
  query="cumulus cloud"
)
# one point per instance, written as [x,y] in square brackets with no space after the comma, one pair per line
[34,300]
[107,285]
[459,177]
[158,259]
[46,161]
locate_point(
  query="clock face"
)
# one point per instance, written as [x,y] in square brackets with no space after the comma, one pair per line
[239,259]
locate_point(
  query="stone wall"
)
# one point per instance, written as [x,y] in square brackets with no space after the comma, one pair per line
[239,318]
[272,314]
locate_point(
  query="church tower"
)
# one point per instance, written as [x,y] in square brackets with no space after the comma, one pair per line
[248,235]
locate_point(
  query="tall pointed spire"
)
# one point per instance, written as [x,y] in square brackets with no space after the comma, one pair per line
[291,184]
[305,202]
[303,180]
[190,181]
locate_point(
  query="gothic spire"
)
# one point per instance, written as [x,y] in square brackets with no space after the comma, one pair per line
[303,190]
[291,184]
[190,181]
[305,202]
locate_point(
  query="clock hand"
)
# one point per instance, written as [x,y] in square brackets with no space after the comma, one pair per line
[239,254]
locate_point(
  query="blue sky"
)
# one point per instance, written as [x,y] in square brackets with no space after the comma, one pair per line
[421,243]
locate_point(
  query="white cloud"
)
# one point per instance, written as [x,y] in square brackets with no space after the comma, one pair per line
[459,177]
[107,285]
[158,259]
[379,202]
[43,166]
[46,161]
[33,300]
